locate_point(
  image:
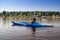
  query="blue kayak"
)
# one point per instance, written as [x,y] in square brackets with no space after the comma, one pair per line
[34,25]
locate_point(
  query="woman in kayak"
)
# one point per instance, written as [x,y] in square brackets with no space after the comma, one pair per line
[33,28]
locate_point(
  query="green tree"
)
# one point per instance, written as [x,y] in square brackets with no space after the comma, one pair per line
[50,13]
[4,13]
[56,13]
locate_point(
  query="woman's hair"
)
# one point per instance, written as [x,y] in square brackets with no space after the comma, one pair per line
[34,19]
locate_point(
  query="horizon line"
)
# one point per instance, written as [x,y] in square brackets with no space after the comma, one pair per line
[29,11]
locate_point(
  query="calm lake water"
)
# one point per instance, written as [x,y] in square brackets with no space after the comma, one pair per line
[9,32]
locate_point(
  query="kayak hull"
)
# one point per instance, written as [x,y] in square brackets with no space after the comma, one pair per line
[35,24]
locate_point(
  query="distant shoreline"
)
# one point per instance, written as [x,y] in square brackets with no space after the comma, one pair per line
[30,16]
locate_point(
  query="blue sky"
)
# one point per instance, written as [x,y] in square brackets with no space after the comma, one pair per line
[30,5]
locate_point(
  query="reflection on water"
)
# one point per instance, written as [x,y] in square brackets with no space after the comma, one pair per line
[9,32]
